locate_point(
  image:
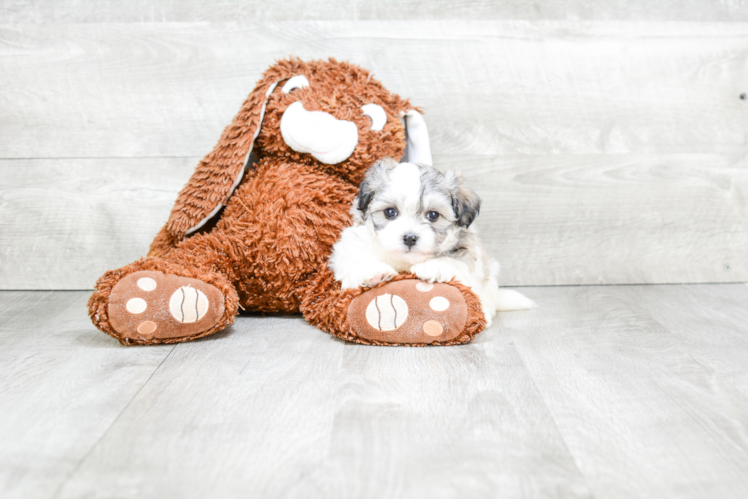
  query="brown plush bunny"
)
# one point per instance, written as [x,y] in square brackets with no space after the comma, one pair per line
[255,224]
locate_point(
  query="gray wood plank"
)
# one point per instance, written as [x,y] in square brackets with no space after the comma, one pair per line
[711,322]
[254,403]
[603,391]
[488,87]
[613,219]
[65,222]
[447,423]
[64,384]
[279,409]
[642,416]
[71,11]
[557,219]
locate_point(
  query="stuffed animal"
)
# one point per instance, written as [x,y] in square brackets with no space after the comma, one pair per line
[254,227]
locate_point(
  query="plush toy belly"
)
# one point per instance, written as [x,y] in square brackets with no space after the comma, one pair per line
[287,217]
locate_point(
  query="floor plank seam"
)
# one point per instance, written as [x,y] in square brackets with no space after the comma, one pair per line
[553,419]
[109,428]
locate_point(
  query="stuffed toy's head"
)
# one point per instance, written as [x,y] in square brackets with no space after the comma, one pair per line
[334,116]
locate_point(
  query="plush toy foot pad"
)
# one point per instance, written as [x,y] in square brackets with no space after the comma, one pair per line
[409,312]
[148,305]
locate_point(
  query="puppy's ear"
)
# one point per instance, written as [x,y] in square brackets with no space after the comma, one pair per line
[375,177]
[365,195]
[465,203]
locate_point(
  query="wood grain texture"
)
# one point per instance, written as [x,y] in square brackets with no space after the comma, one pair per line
[613,391]
[64,222]
[613,219]
[609,145]
[698,315]
[63,387]
[488,87]
[639,411]
[279,409]
[557,219]
[72,11]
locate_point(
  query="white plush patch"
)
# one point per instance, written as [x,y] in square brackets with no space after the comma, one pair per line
[318,133]
[136,305]
[188,304]
[418,149]
[387,312]
[147,284]
[297,82]
[439,304]
[377,115]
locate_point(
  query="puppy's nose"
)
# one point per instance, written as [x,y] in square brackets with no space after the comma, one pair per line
[410,239]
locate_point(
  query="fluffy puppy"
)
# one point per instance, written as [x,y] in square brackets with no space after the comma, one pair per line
[413,218]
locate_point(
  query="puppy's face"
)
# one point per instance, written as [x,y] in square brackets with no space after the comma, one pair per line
[415,211]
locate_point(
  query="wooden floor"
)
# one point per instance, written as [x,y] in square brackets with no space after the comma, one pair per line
[604,391]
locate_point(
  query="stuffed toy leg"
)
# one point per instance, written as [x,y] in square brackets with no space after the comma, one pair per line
[254,227]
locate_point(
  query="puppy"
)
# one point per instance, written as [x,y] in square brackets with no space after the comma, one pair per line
[413,218]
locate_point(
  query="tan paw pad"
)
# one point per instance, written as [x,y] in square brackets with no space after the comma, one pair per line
[151,305]
[409,312]
[147,327]
[433,328]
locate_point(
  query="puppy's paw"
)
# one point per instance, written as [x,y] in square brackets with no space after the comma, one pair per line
[383,273]
[435,270]
[369,276]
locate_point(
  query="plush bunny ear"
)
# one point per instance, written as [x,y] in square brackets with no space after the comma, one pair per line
[218,174]
[418,149]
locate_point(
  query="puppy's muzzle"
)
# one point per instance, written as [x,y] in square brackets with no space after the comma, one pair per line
[410,240]
[318,133]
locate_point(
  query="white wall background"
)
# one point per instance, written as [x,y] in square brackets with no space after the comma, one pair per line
[608,139]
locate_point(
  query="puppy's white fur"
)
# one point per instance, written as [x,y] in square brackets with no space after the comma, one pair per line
[395,230]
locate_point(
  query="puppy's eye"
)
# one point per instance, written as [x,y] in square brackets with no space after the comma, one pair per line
[390,213]
[297,82]
[432,216]
[377,115]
